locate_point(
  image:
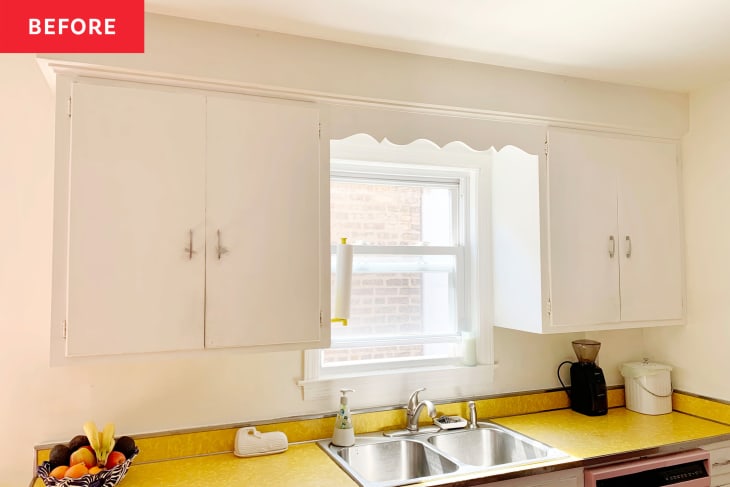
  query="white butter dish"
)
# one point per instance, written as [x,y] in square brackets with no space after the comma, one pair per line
[252,443]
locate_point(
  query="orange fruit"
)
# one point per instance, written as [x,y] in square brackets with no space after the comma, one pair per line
[94,470]
[59,472]
[76,471]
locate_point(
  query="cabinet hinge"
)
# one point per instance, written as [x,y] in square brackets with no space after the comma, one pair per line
[320,317]
[69,107]
[65,329]
[319,130]
[546,147]
[549,307]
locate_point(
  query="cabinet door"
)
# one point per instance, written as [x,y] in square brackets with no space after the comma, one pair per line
[649,231]
[582,195]
[565,478]
[136,201]
[263,201]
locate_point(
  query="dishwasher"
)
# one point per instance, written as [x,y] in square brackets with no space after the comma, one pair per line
[688,469]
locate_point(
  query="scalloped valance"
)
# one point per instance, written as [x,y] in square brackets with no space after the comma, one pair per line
[404,127]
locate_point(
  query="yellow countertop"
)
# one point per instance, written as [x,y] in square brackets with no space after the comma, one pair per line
[619,432]
[304,465]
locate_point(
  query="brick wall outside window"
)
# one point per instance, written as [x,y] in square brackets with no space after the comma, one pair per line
[386,303]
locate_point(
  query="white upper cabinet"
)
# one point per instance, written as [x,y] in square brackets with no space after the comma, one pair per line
[263,272]
[609,244]
[582,202]
[650,237]
[135,203]
[187,220]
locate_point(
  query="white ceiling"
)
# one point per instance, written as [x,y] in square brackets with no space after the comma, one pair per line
[677,45]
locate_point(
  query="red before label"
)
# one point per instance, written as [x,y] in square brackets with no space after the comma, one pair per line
[41,26]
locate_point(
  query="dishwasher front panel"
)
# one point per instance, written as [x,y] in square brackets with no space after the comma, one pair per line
[685,469]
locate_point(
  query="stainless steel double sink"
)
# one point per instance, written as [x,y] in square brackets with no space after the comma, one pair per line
[378,461]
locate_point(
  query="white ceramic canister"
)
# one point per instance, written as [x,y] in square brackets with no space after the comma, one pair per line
[468,348]
[647,387]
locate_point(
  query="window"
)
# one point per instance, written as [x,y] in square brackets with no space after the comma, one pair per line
[414,215]
[408,292]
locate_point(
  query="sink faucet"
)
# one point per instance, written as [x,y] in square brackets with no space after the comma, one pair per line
[413,410]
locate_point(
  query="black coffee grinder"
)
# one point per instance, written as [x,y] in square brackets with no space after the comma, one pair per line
[587,384]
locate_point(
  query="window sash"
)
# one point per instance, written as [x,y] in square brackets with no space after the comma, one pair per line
[368,367]
[403,249]
[459,276]
[459,183]
[410,266]
[425,180]
[422,339]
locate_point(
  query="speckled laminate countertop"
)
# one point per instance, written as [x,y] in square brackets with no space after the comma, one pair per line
[619,431]
[587,439]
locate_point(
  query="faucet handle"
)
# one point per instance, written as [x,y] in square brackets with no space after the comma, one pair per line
[413,400]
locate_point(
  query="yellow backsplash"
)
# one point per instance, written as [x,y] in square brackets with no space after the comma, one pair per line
[701,407]
[171,445]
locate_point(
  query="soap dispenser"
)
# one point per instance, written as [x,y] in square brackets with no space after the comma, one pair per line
[344,433]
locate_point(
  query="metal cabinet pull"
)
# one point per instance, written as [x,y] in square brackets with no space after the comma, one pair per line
[189,248]
[219,248]
[628,247]
[611,246]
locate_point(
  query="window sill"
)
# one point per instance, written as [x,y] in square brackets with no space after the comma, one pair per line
[388,387]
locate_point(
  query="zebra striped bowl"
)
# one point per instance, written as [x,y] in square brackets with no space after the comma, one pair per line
[105,478]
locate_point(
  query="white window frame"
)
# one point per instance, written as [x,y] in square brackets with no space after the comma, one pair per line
[444,378]
[421,176]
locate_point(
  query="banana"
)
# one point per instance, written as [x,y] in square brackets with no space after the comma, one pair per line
[106,443]
[102,443]
[92,434]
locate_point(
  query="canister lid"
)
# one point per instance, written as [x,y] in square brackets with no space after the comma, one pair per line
[639,369]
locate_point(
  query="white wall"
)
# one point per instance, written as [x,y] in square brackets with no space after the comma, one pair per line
[217,52]
[700,352]
[526,361]
[26,152]
[39,403]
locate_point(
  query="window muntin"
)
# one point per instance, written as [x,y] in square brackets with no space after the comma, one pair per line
[391,210]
